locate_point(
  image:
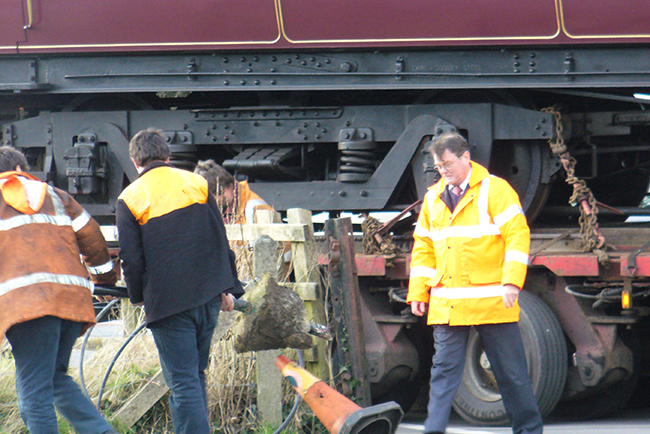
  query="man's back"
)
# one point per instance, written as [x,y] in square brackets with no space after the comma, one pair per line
[172,242]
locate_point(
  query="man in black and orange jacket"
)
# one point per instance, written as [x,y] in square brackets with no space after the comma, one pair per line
[178,264]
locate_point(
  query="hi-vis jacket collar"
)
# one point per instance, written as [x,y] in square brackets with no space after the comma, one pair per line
[22,191]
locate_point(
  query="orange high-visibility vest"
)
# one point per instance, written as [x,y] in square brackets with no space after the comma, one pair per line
[43,233]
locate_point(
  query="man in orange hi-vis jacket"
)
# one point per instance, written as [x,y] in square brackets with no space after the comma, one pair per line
[237,201]
[468,265]
[46,294]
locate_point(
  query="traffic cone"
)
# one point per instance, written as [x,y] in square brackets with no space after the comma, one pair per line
[336,412]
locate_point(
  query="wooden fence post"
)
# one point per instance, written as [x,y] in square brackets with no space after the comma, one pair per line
[306,270]
[269,378]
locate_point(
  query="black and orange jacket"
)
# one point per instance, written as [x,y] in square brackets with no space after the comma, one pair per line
[43,233]
[173,245]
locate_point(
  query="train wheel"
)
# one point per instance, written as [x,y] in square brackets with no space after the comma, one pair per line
[478,399]
[522,165]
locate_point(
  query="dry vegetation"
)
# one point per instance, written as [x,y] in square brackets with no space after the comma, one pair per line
[231,385]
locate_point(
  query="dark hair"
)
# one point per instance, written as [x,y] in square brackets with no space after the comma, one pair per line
[148,146]
[452,142]
[10,158]
[217,177]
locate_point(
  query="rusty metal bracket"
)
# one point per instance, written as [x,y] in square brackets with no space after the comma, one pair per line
[631,259]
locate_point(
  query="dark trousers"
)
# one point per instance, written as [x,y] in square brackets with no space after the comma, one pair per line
[183,342]
[505,351]
[41,349]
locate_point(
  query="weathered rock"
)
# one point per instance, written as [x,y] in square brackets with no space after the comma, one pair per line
[278,319]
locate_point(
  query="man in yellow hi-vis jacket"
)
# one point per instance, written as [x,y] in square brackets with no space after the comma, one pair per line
[468,265]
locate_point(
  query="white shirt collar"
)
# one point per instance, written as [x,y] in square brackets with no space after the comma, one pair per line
[463,185]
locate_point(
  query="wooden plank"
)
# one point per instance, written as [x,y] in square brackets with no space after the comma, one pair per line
[277,231]
[306,273]
[308,291]
[142,401]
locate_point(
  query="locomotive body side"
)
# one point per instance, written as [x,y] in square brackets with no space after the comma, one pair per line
[42,26]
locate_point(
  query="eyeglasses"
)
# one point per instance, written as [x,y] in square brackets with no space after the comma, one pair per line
[446,166]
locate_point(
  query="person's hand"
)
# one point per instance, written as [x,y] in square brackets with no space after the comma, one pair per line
[510,294]
[227,302]
[104,298]
[418,308]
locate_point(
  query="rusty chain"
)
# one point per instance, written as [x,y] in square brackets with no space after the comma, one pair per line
[373,243]
[582,196]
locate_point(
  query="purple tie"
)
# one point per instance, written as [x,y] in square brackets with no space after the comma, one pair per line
[455,197]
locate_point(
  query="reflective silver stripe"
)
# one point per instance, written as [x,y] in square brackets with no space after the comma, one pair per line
[249,209]
[22,220]
[483,196]
[421,271]
[485,226]
[101,269]
[80,221]
[517,256]
[421,232]
[32,279]
[59,209]
[471,292]
[507,215]
[476,231]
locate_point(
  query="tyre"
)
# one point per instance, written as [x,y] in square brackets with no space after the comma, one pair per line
[478,399]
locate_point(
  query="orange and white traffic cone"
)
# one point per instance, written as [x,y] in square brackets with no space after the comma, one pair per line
[336,412]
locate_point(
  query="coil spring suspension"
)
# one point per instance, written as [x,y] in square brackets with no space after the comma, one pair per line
[358,155]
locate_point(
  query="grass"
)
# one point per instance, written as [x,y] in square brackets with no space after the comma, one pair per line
[10,421]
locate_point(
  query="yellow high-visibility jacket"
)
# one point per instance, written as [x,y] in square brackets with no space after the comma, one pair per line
[461,260]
